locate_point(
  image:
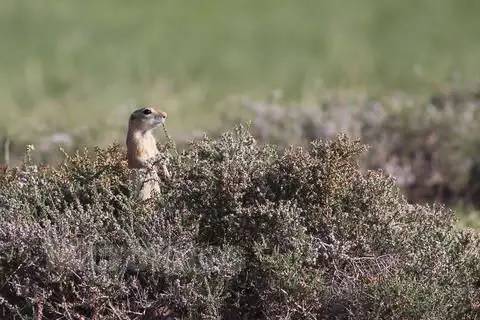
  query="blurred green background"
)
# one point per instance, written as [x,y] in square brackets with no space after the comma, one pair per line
[82,66]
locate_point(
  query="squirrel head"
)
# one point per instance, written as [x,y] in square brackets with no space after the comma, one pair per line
[147,118]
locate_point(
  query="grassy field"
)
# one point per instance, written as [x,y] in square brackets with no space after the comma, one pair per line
[81,66]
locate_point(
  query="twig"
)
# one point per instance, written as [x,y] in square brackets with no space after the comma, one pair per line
[6,151]
[39,311]
[171,143]
[114,310]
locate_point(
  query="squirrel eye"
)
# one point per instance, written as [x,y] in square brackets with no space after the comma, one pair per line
[147,111]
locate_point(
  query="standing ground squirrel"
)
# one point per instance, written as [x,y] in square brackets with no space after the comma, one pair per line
[142,148]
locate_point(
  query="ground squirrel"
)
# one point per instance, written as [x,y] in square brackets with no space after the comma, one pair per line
[142,148]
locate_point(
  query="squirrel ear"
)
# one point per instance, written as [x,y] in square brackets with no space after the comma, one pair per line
[132,116]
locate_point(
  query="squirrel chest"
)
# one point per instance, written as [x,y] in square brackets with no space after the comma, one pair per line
[141,148]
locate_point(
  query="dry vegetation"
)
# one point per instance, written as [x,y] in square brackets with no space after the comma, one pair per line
[241,231]
[429,145]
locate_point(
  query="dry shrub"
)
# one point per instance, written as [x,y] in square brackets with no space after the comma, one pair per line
[240,231]
[430,147]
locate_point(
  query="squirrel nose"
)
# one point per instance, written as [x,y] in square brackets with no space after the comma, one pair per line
[163,114]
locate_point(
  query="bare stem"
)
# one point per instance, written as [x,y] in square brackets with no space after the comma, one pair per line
[171,144]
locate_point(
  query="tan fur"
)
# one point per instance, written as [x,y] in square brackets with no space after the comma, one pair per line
[142,148]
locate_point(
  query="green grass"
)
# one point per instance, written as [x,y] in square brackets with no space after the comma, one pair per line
[82,65]
[467,217]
